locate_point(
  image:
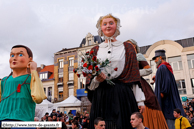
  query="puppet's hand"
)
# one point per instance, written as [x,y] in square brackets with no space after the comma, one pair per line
[153,78]
[101,77]
[162,95]
[32,65]
[141,109]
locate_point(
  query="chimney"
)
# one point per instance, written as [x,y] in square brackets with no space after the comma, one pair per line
[42,66]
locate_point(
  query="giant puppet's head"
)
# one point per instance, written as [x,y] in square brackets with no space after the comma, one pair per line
[20,56]
[108,26]
[134,44]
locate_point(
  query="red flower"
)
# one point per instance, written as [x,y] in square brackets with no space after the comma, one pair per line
[96,67]
[84,74]
[115,69]
[85,65]
[78,75]
[83,59]
[75,70]
[91,52]
[94,58]
[90,67]
[87,52]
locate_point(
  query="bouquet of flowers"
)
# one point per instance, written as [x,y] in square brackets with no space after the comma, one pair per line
[91,65]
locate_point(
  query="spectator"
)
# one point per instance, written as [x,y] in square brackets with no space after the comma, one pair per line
[58,114]
[75,124]
[137,121]
[47,115]
[191,110]
[180,122]
[187,115]
[58,118]
[81,119]
[86,123]
[36,119]
[99,123]
[54,118]
[53,113]
[190,117]
[192,103]
[63,123]
[50,118]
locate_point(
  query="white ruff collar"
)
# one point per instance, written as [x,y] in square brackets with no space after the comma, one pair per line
[110,44]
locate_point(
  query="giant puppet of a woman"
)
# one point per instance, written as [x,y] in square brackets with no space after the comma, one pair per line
[20,91]
[153,116]
[115,103]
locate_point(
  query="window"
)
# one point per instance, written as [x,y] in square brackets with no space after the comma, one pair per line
[192,84]
[60,95]
[190,60]
[49,97]
[71,61]
[153,65]
[40,76]
[71,92]
[60,79]
[181,86]
[45,90]
[89,42]
[50,91]
[71,76]
[61,75]
[43,76]
[61,63]
[82,83]
[176,63]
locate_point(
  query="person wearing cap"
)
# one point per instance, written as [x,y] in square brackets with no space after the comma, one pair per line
[166,88]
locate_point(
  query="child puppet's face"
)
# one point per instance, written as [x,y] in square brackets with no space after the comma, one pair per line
[19,58]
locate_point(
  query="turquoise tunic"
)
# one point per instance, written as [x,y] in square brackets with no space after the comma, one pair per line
[19,105]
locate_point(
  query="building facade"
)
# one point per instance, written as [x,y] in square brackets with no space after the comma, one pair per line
[46,75]
[180,54]
[65,80]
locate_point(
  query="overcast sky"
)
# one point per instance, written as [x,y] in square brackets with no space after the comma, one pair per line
[47,26]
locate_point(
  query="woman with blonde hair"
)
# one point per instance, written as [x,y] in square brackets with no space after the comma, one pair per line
[115,103]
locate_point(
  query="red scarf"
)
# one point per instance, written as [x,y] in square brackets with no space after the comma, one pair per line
[167,65]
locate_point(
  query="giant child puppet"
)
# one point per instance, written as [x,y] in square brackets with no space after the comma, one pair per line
[20,91]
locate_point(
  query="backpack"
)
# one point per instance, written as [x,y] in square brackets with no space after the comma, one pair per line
[180,124]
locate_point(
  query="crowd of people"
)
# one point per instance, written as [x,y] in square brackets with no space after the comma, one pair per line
[81,121]
[189,110]
[78,121]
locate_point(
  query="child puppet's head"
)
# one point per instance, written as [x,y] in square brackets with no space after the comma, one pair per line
[20,56]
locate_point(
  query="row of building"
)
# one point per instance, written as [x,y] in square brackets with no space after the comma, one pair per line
[60,82]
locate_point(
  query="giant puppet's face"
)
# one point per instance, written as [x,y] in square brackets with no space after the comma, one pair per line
[158,61]
[19,58]
[108,27]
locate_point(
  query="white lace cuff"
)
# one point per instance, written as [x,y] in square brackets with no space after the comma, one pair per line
[94,84]
[140,104]
[145,72]
[139,95]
